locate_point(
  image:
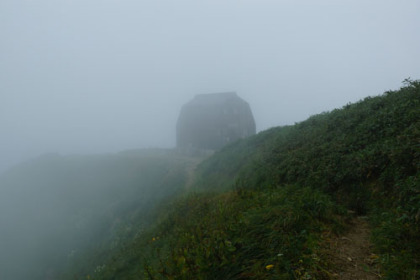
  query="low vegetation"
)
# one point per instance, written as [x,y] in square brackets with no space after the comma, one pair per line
[240,234]
[262,207]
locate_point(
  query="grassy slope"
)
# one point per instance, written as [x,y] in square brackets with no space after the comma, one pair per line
[365,155]
[264,204]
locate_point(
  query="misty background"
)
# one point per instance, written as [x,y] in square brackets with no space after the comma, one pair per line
[104,76]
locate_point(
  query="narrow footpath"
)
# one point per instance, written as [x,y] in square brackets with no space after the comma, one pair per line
[351,254]
[190,166]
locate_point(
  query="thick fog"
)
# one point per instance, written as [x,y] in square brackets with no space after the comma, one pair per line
[102,76]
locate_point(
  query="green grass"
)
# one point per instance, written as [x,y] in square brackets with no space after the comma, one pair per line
[261,204]
[239,234]
[259,208]
[365,155]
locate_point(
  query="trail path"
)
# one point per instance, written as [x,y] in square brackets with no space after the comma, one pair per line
[351,254]
[190,170]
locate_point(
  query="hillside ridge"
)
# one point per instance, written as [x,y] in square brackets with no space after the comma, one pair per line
[286,203]
[259,208]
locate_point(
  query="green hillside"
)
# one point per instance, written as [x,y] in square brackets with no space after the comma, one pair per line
[264,207]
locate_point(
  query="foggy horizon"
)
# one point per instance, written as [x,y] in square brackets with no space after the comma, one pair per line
[93,77]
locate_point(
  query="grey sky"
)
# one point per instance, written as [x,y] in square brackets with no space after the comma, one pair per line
[95,76]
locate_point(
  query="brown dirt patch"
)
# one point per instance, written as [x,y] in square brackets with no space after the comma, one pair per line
[351,256]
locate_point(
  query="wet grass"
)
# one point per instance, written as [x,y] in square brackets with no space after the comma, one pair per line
[260,206]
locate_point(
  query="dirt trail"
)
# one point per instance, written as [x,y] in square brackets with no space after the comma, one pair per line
[190,171]
[351,254]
